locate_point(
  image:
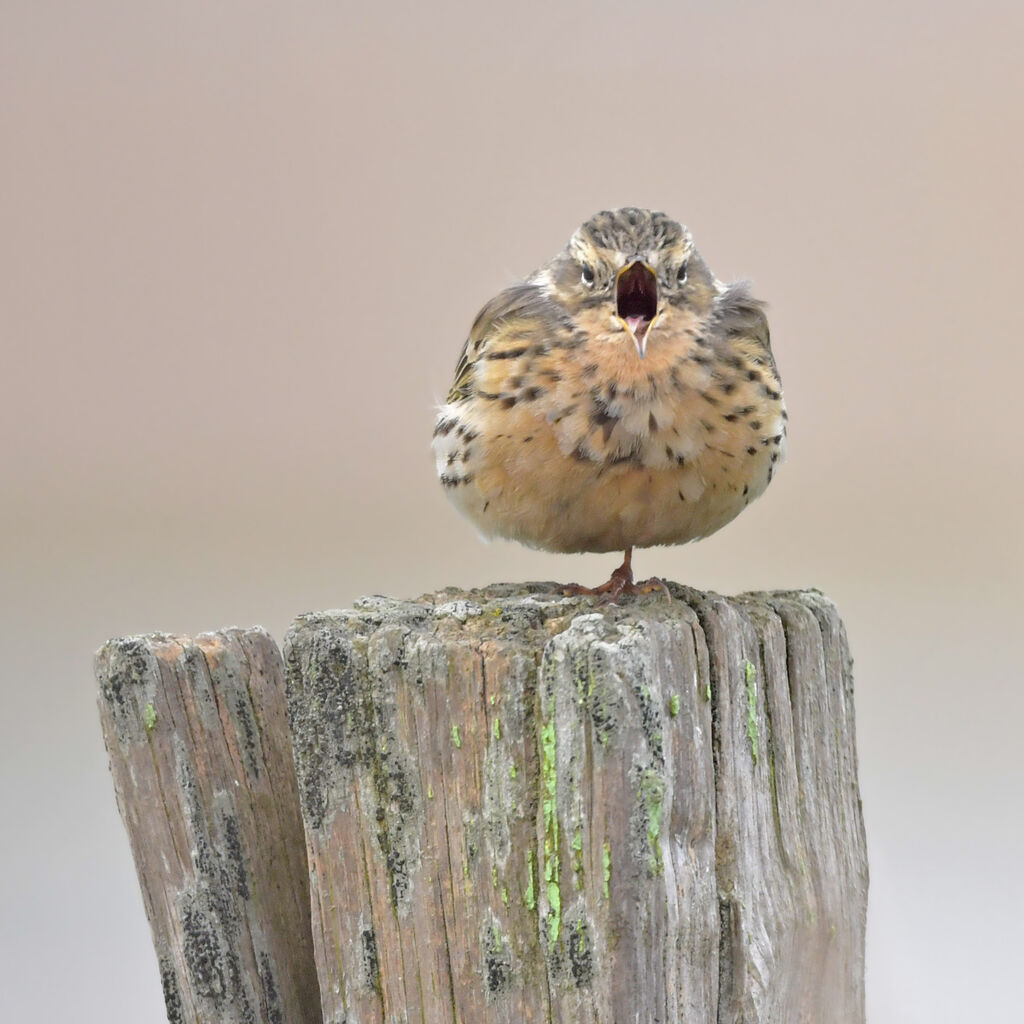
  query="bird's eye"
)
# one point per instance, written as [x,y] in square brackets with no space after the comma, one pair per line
[681,276]
[587,275]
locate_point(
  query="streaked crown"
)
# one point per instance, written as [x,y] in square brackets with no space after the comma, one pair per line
[630,231]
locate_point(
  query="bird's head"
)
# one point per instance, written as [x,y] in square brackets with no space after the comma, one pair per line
[639,265]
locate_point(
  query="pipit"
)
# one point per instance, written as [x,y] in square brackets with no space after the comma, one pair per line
[620,397]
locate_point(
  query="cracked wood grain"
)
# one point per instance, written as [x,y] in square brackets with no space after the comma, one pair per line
[200,756]
[523,807]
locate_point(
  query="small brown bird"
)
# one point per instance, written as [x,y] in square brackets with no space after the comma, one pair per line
[621,397]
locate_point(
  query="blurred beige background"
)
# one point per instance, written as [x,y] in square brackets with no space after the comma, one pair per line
[241,245]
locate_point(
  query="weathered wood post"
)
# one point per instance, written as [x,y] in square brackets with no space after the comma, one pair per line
[523,807]
[201,761]
[516,807]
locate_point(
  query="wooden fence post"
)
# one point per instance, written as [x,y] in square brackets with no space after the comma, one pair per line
[201,761]
[522,807]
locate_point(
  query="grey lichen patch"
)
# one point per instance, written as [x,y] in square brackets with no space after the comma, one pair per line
[460,610]
[341,708]
[123,670]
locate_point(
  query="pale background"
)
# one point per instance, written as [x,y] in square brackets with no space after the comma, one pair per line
[241,246]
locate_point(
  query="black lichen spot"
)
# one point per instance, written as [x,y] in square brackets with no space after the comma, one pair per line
[235,858]
[581,955]
[270,994]
[210,967]
[497,970]
[371,962]
[746,490]
[172,993]
[528,439]
[751,451]
[731,417]
[681,498]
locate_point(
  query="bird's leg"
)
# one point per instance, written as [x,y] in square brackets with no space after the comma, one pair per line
[621,582]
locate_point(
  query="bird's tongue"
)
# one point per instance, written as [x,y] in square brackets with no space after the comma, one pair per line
[638,325]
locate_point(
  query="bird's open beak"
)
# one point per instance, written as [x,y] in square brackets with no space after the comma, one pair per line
[636,300]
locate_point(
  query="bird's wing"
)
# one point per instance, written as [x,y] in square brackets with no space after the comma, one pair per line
[738,314]
[524,303]
[739,320]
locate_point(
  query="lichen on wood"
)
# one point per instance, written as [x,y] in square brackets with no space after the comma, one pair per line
[537,807]
[201,761]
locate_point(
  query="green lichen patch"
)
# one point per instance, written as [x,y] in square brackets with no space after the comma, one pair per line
[652,797]
[549,782]
[577,857]
[496,729]
[149,717]
[530,893]
[606,861]
[751,683]
[456,738]
[673,705]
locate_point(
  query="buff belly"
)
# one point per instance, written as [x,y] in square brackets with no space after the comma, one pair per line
[519,483]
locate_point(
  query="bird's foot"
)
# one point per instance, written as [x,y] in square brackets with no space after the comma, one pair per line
[621,582]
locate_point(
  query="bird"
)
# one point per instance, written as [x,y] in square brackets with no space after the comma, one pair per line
[619,397]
